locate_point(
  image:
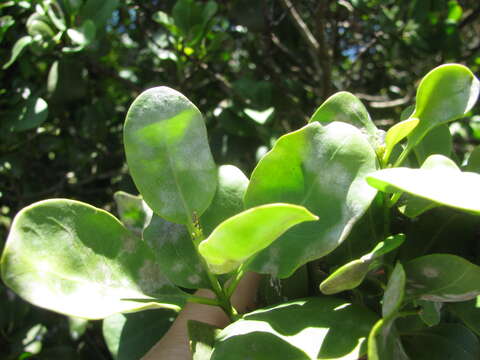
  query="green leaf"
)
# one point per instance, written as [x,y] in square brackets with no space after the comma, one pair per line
[77,327]
[384,342]
[79,260]
[314,328]
[168,155]
[322,168]
[346,277]
[228,199]
[437,141]
[99,12]
[133,211]
[32,113]
[394,293]
[430,313]
[6,22]
[468,312]
[131,336]
[445,94]
[243,235]
[443,278]
[260,117]
[443,342]
[177,257]
[17,49]
[388,245]
[202,339]
[346,107]
[440,183]
[473,163]
[81,37]
[397,133]
[415,206]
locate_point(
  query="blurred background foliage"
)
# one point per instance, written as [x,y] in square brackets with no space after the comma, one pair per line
[256,69]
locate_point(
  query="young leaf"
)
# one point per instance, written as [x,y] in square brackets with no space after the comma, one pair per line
[202,339]
[430,313]
[384,342]
[388,245]
[131,336]
[168,155]
[313,328]
[228,199]
[443,278]
[346,107]
[347,277]
[444,184]
[133,211]
[243,235]
[177,258]
[394,293]
[443,342]
[17,49]
[79,260]
[445,94]
[324,169]
[397,133]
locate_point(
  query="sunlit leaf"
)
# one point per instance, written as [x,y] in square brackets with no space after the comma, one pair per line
[346,277]
[322,168]
[17,49]
[397,133]
[315,328]
[79,260]
[133,211]
[243,235]
[168,155]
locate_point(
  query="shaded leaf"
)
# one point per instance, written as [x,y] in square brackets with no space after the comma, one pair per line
[168,154]
[31,114]
[202,339]
[243,235]
[177,257]
[228,199]
[437,141]
[133,211]
[430,313]
[468,312]
[432,278]
[79,260]
[324,169]
[323,328]
[394,293]
[131,336]
[384,342]
[346,277]
[446,341]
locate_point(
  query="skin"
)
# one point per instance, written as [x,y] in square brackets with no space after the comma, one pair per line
[174,344]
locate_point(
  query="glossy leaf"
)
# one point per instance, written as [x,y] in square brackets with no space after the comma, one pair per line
[243,235]
[168,154]
[79,260]
[347,277]
[443,278]
[397,133]
[177,258]
[228,199]
[346,107]
[202,339]
[437,141]
[32,113]
[415,206]
[394,293]
[388,245]
[443,342]
[133,211]
[324,169]
[384,342]
[323,328]
[441,184]
[468,312]
[446,93]
[17,49]
[131,336]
